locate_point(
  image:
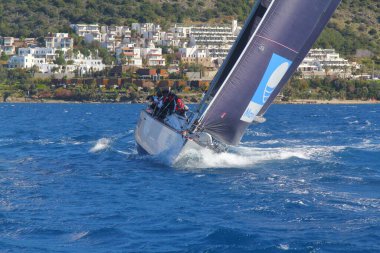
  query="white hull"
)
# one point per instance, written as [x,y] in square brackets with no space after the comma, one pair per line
[155,138]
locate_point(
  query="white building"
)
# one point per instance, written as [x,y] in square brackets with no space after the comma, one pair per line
[213,35]
[196,55]
[108,41]
[168,39]
[141,28]
[180,31]
[119,31]
[320,62]
[89,32]
[39,53]
[25,61]
[59,41]
[8,41]
[43,58]
[29,57]
[131,55]
[8,45]
[85,65]
[153,56]
[193,52]
[217,39]
[328,58]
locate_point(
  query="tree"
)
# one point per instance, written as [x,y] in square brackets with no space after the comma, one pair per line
[60,60]
[4,57]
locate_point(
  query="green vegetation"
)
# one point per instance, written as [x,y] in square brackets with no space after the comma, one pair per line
[356,24]
[328,89]
[19,83]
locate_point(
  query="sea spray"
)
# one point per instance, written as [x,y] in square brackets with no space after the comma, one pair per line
[101,144]
[246,157]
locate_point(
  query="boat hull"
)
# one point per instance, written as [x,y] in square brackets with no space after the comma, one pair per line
[155,138]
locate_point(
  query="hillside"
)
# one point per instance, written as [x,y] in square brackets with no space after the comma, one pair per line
[356,24]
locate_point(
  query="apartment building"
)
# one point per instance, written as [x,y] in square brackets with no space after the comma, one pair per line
[38,52]
[59,41]
[25,61]
[142,28]
[319,62]
[217,39]
[118,31]
[181,31]
[129,55]
[153,56]
[90,32]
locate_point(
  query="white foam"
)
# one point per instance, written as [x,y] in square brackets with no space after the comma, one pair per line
[78,236]
[127,152]
[284,247]
[245,157]
[101,144]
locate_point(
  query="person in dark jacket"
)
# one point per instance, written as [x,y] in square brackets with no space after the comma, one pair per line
[168,104]
[155,102]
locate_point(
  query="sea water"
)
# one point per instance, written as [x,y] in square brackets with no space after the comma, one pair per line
[307,180]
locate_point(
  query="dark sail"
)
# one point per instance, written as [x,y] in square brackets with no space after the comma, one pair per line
[313,37]
[285,34]
[248,29]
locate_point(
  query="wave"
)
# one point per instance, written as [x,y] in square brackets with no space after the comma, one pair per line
[244,157]
[101,144]
[105,143]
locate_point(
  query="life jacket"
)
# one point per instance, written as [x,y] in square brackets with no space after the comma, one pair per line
[180,106]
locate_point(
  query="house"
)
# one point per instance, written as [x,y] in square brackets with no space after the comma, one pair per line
[141,28]
[39,53]
[89,31]
[29,57]
[153,56]
[8,46]
[59,41]
[147,74]
[196,55]
[129,55]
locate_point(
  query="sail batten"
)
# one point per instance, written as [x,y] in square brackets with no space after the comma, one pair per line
[275,48]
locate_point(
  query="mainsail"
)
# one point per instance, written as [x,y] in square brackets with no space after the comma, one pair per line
[275,39]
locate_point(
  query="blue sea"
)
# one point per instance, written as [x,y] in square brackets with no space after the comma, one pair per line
[307,180]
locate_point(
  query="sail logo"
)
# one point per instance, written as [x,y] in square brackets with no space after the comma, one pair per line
[276,70]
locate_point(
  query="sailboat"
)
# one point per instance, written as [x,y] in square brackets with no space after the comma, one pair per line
[276,37]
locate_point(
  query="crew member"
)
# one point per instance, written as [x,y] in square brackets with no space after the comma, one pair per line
[168,104]
[155,102]
[181,108]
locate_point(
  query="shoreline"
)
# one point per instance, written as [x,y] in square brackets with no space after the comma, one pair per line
[328,102]
[13,100]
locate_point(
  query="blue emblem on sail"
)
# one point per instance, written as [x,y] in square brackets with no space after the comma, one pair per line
[277,68]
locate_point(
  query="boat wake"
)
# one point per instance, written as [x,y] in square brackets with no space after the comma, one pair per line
[246,157]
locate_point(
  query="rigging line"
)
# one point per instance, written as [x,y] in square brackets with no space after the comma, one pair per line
[278,43]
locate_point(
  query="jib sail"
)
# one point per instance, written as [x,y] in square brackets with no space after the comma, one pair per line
[276,47]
